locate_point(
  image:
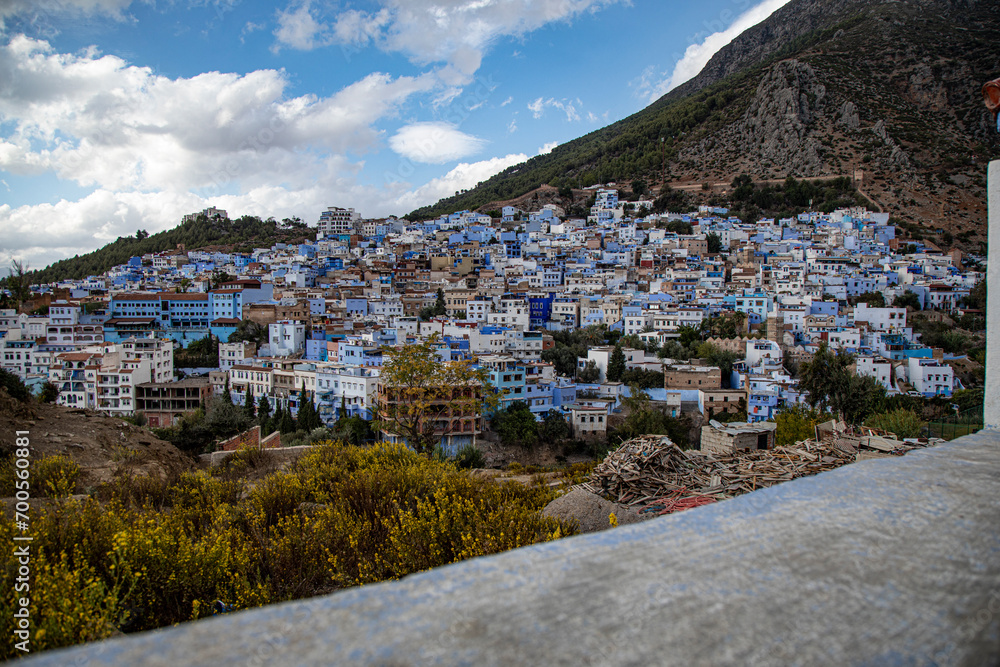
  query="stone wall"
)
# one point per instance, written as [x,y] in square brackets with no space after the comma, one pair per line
[251,439]
[722,441]
[709,378]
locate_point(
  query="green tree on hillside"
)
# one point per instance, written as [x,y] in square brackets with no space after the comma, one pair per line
[18,282]
[714,243]
[516,425]
[553,427]
[263,410]
[832,386]
[440,308]
[307,419]
[616,364]
[590,372]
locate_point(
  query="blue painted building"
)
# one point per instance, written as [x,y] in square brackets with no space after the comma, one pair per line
[540,309]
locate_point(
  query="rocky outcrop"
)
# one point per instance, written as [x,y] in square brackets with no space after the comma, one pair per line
[776,128]
[889,154]
[848,117]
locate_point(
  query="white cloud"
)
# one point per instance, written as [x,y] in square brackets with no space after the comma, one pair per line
[696,56]
[462,177]
[434,142]
[79,226]
[299,29]
[35,11]
[249,28]
[73,227]
[154,148]
[512,126]
[547,148]
[453,32]
[99,122]
[507,101]
[537,108]
[358,28]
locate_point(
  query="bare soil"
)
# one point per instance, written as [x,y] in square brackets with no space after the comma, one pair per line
[99,444]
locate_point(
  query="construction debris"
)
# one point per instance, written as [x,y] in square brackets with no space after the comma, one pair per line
[654,472]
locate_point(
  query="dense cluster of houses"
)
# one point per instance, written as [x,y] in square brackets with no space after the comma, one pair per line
[331,307]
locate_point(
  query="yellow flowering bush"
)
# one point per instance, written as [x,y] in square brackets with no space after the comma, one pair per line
[51,476]
[152,553]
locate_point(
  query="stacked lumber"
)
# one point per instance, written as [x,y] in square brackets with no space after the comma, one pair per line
[652,468]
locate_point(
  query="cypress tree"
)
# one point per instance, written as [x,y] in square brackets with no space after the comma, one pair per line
[287,423]
[249,405]
[616,364]
[308,418]
[263,409]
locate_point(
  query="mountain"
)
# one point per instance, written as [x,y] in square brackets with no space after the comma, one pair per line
[885,90]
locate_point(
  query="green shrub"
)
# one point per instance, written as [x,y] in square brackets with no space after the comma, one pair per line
[904,423]
[796,423]
[469,456]
[14,386]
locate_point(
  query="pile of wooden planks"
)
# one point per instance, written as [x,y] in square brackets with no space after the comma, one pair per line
[648,468]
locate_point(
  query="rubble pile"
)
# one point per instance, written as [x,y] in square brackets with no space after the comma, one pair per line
[652,472]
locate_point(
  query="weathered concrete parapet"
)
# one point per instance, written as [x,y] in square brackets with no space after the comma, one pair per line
[891,561]
[991,412]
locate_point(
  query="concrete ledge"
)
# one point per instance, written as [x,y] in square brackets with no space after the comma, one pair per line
[282,453]
[892,561]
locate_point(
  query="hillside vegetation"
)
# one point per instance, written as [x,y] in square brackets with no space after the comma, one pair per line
[145,553]
[242,234]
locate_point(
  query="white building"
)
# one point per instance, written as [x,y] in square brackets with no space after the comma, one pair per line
[878,368]
[514,316]
[845,339]
[930,377]
[762,352]
[352,388]
[232,354]
[286,338]
[160,354]
[524,345]
[64,327]
[478,309]
[606,199]
[210,212]
[880,319]
[75,376]
[116,387]
[335,220]
[17,355]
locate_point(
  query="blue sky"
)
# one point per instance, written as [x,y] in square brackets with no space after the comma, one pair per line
[118,115]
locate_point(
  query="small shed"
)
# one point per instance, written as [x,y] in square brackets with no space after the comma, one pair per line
[718,438]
